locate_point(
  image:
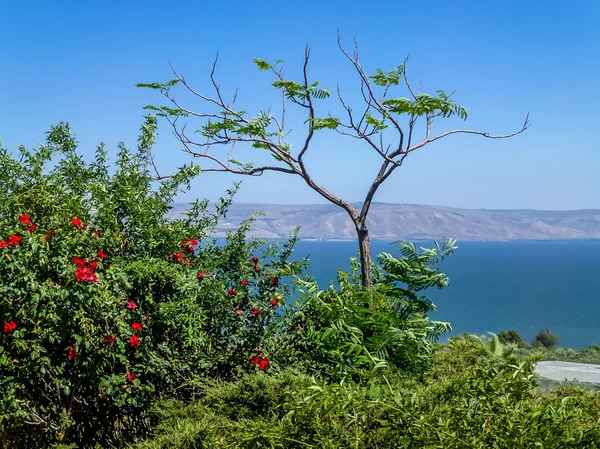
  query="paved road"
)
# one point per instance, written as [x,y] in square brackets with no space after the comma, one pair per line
[582,372]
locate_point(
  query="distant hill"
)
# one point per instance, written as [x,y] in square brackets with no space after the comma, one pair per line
[414,222]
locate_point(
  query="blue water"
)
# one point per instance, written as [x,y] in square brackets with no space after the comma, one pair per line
[495,286]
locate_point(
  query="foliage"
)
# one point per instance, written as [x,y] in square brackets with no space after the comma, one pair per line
[352,332]
[512,337]
[472,401]
[546,338]
[106,305]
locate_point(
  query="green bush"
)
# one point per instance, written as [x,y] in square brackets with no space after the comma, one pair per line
[512,337]
[352,332]
[106,305]
[486,403]
[546,339]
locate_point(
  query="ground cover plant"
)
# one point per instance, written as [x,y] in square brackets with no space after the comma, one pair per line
[105,305]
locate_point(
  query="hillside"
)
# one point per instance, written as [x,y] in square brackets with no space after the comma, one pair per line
[414,222]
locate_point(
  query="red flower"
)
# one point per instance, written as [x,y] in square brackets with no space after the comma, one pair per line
[254,260]
[130,377]
[202,274]
[244,283]
[75,222]
[51,232]
[72,355]
[176,256]
[194,241]
[25,219]
[255,311]
[10,327]
[96,233]
[274,281]
[84,226]
[47,238]
[78,261]
[274,303]
[258,352]
[245,299]
[239,311]
[109,339]
[264,363]
[137,327]
[101,254]
[3,244]
[232,292]
[93,264]
[257,269]
[31,228]
[14,240]
[85,274]
[131,305]
[187,249]
[134,341]
[255,360]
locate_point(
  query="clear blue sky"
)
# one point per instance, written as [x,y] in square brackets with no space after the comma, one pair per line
[79,62]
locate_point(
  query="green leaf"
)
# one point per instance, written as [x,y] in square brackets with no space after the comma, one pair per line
[262,64]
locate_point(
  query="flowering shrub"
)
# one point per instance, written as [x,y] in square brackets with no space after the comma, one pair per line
[105,305]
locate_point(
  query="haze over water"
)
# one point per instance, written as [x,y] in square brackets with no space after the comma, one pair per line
[497,286]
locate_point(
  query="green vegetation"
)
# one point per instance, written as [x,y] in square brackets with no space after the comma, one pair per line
[122,329]
[546,339]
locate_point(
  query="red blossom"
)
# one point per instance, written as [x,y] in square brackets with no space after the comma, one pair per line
[134,341]
[245,299]
[72,355]
[130,377]
[76,260]
[255,360]
[255,311]
[109,339]
[244,283]
[25,219]
[93,264]
[51,232]
[131,305]
[31,228]
[187,249]
[96,233]
[258,352]
[101,254]
[232,292]
[3,244]
[257,269]
[274,281]
[47,238]
[176,256]
[254,260]
[10,327]
[239,311]
[264,363]
[14,240]
[202,274]
[194,241]
[75,222]
[274,303]
[85,274]
[137,327]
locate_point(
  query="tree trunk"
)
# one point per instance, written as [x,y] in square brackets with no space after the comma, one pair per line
[364,245]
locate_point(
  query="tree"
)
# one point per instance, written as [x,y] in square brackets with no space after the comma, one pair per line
[546,338]
[386,124]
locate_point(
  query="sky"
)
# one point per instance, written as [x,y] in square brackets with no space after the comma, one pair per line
[80,61]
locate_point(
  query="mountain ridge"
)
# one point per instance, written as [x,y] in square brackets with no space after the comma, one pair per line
[391,221]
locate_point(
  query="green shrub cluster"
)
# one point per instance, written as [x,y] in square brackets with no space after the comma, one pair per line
[105,305]
[471,399]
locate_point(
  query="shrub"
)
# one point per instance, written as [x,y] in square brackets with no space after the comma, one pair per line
[106,305]
[511,337]
[352,332]
[486,403]
[546,338]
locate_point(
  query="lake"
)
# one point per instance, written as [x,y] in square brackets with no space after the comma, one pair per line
[495,286]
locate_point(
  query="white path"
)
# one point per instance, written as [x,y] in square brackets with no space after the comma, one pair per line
[582,372]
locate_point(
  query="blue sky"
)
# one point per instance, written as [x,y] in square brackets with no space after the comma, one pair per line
[79,62]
